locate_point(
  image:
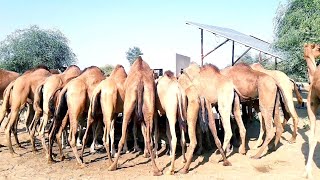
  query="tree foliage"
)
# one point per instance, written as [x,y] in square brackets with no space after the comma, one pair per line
[107,69]
[27,48]
[296,23]
[133,53]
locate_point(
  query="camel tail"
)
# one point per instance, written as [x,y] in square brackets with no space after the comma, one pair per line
[182,119]
[203,115]
[140,102]
[38,99]
[52,99]
[62,106]
[95,102]
[283,100]
[6,98]
[296,91]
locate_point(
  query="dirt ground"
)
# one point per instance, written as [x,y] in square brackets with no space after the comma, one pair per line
[286,163]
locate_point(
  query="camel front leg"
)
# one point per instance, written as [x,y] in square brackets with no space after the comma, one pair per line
[312,106]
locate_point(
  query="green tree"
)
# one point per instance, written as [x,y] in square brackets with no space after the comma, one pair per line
[296,23]
[27,48]
[133,53]
[107,69]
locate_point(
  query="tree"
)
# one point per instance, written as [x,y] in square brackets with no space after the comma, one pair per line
[133,53]
[27,48]
[107,69]
[296,23]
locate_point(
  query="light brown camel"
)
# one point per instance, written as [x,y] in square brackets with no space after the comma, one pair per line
[6,77]
[311,52]
[287,85]
[73,104]
[41,101]
[107,97]
[253,84]
[139,97]
[207,83]
[24,88]
[169,102]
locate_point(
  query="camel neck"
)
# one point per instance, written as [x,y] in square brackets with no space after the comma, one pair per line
[311,63]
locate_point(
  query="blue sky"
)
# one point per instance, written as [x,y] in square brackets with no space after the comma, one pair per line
[100,32]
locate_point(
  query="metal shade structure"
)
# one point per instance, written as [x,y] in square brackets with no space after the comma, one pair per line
[232,35]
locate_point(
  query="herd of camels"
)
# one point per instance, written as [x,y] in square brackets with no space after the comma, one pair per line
[75,97]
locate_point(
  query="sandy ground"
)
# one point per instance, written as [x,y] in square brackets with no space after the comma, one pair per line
[286,163]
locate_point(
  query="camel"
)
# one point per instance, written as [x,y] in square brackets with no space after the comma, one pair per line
[139,97]
[109,96]
[170,100]
[23,88]
[207,86]
[288,86]
[251,85]
[41,101]
[311,52]
[73,104]
[6,77]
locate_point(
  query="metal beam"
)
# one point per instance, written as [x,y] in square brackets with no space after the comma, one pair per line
[232,53]
[202,47]
[215,48]
[275,63]
[242,55]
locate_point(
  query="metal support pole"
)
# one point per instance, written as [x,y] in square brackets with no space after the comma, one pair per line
[202,47]
[242,55]
[232,53]
[275,63]
[215,48]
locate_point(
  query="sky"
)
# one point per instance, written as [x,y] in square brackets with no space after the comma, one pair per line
[101,31]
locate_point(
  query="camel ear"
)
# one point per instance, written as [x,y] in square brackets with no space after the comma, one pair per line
[313,45]
[305,45]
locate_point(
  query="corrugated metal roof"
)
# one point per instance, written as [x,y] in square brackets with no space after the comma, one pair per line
[238,37]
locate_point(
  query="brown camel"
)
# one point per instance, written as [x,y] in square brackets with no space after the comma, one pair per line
[288,86]
[107,97]
[169,101]
[6,77]
[251,85]
[311,52]
[139,97]
[23,88]
[41,101]
[73,104]
[207,83]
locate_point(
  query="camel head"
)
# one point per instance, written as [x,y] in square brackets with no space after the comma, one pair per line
[311,50]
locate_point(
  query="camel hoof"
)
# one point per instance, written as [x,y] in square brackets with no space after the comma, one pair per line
[292,140]
[170,173]
[50,161]
[62,158]
[157,173]
[15,155]
[255,157]
[227,163]
[136,149]
[184,171]
[82,165]
[184,160]
[112,167]
[242,150]
[146,155]
[92,151]
[308,175]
